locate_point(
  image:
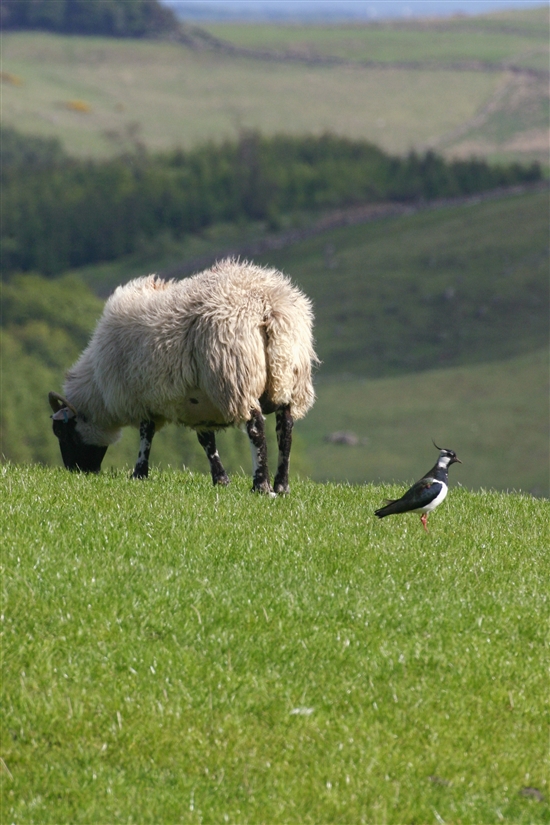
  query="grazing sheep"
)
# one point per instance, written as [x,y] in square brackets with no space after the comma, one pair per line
[211,351]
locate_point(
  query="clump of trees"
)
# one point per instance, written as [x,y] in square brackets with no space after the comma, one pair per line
[45,324]
[115,18]
[59,212]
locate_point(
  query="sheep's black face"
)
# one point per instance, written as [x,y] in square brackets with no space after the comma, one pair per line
[77,456]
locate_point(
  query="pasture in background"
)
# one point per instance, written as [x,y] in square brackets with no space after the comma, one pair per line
[494,415]
[443,84]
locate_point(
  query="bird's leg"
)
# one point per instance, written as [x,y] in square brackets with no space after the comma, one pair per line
[424,520]
[207,440]
[146,433]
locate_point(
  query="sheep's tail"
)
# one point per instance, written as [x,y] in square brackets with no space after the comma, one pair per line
[290,354]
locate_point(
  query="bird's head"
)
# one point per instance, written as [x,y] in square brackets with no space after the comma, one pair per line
[447,457]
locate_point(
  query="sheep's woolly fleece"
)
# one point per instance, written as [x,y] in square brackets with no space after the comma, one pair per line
[201,351]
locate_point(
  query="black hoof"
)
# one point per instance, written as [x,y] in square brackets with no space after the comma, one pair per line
[263,487]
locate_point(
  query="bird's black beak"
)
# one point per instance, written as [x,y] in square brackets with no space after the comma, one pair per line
[455,460]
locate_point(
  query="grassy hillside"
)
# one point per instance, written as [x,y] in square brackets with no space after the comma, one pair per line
[173,652]
[464,284]
[494,415]
[452,288]
[435,288]
[511,122]
[100,95]
[518,37]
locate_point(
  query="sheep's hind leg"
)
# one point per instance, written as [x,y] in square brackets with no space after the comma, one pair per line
[207,440]
[256,434]
[284,426]
[146,433]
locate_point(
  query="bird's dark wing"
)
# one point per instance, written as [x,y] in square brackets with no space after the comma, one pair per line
[419,495]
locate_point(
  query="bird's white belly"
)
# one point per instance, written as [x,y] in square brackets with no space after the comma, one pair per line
[436,501]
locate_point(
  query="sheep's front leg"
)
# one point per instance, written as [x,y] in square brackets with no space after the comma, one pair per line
[284,426]
[256,434]
[146,433]
[207,440]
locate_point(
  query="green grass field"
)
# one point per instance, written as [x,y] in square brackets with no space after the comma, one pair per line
[100,95]
[178,97]
[176,653]
[512,122]
[438,288]
[494,415]
[519,38]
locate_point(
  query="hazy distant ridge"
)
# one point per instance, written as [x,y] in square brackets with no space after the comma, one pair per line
[332,10]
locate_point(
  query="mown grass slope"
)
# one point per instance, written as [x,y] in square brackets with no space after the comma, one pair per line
[173,652]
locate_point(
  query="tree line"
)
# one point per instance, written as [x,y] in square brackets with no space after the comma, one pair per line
[114,18]
[60,212]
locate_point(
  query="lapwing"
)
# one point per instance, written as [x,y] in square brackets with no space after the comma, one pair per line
[427,494]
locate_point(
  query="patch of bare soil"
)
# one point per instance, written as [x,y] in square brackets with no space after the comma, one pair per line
[534,140]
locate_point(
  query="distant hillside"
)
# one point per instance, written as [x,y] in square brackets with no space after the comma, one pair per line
[115,18]
[381,430]
[440,286]
[60,212]
[330,11]
[477,86]
[514,119]
[460,285]
[516,41]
